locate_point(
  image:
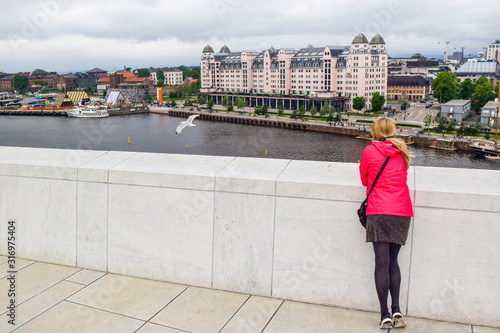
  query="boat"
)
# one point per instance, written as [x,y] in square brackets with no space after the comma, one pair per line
[489,148]
[408,139]
[492,157]
[484,147]
[84,111]
[443,144]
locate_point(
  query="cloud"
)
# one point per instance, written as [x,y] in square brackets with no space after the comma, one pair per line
[63,34]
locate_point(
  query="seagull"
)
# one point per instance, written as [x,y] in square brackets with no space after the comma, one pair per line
[188,122]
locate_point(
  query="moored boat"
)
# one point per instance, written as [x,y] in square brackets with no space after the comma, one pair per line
[444,144]
[492,157]
[83,111]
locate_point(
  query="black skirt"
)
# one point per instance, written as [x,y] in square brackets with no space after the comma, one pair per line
[387,228]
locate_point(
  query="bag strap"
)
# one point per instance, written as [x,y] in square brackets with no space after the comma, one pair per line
[378,175]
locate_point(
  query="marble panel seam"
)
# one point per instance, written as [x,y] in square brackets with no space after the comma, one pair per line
[35,177]
[153,186]
[458,209]
[274,314]
[103,310]
[234,314]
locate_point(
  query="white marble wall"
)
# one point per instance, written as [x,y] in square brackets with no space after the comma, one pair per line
[280,228]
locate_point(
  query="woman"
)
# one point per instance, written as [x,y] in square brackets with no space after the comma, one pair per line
[389,212]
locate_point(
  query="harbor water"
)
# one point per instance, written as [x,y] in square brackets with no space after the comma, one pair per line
[156,133]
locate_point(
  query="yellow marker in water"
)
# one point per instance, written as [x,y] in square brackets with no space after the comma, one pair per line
[129,140]
[187,146]
[265,154]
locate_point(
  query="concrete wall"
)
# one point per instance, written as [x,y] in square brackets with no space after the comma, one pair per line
[280,228]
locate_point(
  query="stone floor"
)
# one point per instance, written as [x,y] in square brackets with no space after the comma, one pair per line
[53,298]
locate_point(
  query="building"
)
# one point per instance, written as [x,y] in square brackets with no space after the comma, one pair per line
[86,81]
[100,73]
[301,77]
[173,76]
[458,56]
[493,50]
[474,70]
[456,109]
[488,113]
[7,82]
[407,87]
[189,80]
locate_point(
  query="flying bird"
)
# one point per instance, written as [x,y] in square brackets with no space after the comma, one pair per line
[188,122]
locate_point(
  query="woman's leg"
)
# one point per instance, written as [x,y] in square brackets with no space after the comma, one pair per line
[382,276]
[395,276]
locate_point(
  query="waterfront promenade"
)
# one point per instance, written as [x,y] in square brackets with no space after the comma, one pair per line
[60,299]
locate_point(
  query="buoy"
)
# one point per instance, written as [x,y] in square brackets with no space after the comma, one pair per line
[265,154]
[187,146]
[129,140]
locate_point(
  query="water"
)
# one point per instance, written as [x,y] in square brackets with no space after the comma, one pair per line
[156,133]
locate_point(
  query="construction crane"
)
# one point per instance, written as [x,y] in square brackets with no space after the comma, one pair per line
[446,51]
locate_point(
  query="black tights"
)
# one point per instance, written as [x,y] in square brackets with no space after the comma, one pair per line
[387,275]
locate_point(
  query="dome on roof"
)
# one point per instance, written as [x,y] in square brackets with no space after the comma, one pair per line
[360,38]
[309,46]
[208,48]
[224,49]
[377,39]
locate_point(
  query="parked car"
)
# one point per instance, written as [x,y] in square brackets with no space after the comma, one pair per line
[485,128]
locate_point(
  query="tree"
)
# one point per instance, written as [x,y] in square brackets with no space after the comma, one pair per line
[241,103]
[466,89]
[428,120]
[302,112]
[313,111]
[160,83]
[451,126]
[201,100]
[281,110]
[445,87]
[224,101]
[143,72]
[324,110]
[358,103]
[21,82]
[294,114]
[160,75]
[264,109]
[483,93]
[442,123]
[210,103]
[330,116]
[377,102]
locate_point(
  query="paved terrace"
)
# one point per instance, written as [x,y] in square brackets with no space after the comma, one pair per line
[54,298]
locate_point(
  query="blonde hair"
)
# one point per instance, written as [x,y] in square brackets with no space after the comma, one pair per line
[385,129]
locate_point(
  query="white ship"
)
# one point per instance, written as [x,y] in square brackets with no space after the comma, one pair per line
[84,111]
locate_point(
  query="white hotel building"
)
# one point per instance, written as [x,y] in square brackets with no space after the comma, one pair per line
[309,76]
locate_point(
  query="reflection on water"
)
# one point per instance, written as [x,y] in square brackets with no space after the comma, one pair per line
[156,133]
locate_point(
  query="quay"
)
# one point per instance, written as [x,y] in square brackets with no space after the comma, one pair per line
[290,124]
[55,111]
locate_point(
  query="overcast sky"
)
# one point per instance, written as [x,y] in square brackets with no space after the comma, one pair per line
[64,35]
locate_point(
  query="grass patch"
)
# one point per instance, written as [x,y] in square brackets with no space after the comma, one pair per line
[364,121]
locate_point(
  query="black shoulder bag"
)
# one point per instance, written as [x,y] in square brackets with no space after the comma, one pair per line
[364,204]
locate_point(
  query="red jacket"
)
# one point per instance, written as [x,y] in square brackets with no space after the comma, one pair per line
[391,195]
